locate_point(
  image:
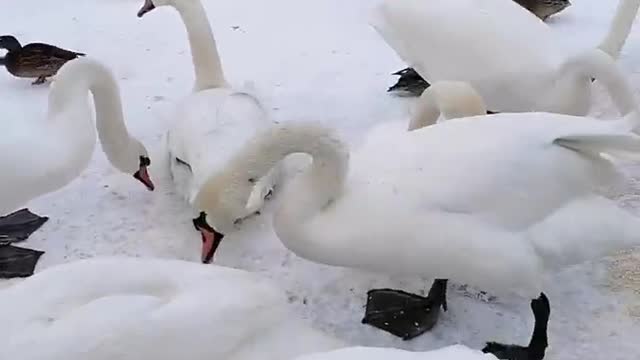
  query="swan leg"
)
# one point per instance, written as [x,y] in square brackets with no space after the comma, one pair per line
[17,262]
[40,80]
[404,314]
[19,225]
[538,343]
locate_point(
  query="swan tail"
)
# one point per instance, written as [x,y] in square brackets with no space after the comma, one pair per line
[620,139]
[620,27]
[584,230]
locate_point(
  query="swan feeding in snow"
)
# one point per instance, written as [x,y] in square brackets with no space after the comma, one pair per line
[210,126]
[534,351]
[48,154]
[474,41]
[441,208]
[151,309]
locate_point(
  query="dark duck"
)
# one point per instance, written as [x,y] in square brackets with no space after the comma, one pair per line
[410,83]
[35,60]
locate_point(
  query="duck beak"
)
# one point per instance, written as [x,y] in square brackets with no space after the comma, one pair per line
[142,175]
[148,6]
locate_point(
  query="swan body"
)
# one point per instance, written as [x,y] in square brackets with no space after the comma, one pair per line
[42,156]
[210,126]
[151,309]
[473,41]
[454,352]
[448,202]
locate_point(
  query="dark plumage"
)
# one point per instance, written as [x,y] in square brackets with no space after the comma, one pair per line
[35,60]
[544,8]
[538,344]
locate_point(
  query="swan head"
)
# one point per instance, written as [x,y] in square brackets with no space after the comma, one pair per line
[152,4]
[137,163]
[222,203]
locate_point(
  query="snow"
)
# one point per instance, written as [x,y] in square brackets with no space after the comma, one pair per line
[313,59]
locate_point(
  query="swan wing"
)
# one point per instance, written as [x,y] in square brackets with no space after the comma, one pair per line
[497,46]
[145,309]
[40,157]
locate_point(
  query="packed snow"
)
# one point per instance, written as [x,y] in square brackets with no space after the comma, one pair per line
[313,59]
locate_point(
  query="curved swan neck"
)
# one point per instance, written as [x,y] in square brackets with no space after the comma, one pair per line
[204,52]
[599,65]
[305,194]
[71,85]
[454,99]
[620,27]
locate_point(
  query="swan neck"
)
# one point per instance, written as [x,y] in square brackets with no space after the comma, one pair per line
[305,195]
[427,111]
[71,87]
[204,52]
[452,99]
[620,27]
[596,64]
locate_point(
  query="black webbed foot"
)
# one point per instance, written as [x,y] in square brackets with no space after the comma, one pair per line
[404,314]
[19,225]
[17,262]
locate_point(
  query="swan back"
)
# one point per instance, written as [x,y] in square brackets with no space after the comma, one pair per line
[465,39]
[417,203]
[146,309]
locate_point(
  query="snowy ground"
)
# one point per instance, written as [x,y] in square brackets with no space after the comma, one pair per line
[313,59]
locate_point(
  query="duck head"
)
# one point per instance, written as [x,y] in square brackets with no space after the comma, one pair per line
[10,43]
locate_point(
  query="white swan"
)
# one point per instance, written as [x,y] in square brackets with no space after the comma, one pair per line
[210,126]
[495,201]
[151,309]
[45,155]
[474,41]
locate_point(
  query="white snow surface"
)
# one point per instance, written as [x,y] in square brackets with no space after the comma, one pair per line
[312,59]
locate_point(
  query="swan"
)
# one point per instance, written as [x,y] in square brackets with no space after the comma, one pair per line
[472,41]
[211,125]
[44,156]
[59,157]
[147,309]
[440,207]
